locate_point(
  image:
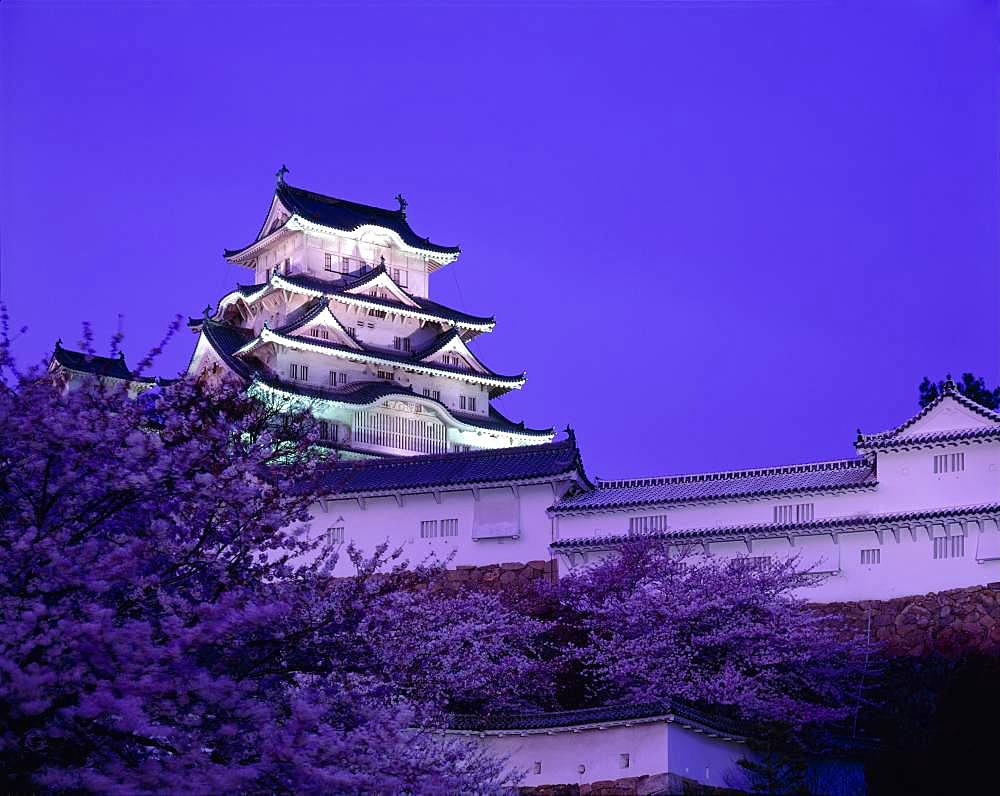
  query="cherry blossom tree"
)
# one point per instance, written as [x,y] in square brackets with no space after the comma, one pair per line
[158,632]
[651,625]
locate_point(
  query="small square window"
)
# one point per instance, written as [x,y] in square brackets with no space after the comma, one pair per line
[537,767]
[624,761]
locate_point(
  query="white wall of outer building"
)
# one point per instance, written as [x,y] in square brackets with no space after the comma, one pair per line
[563,752]
[653,747]
[373,521]
[907,483]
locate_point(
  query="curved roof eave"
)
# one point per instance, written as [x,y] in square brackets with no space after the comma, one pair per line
[494,380]
[277,385]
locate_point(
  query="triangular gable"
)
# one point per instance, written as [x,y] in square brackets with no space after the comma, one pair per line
[277,215]
[453,344]
[328,322]
[950,414]
[382,283]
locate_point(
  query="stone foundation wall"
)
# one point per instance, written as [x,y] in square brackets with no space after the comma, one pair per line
[950,623]
[504,574]
[631,786]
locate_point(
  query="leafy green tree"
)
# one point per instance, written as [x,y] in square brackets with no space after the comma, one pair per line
[970,386]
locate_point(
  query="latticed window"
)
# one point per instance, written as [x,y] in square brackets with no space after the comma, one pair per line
[871,556]
[335,535]
[949,547]
[429,529]
[298,372]
[386,429]
[949,463]
[449,527]
[327,262]
[752,562]
[796,512]
[652,522]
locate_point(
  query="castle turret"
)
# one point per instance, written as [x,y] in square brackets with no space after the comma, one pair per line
[338,319]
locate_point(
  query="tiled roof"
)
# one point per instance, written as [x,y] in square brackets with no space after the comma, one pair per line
[348,216]
[300,316]
[107,367]
[226,339]
[818,477]
[552,460]
[500,383]
[82,362]
[894,437]
[931,438]
[672,710]
[338,289]
[367,392]
[767,529]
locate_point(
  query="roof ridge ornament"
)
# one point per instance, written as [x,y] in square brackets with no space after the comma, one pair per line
[949,385]
[280,174]
[402,204]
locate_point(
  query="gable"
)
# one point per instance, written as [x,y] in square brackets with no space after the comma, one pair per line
[276,216]
[382,287]
[327,328]
[949,415]
[455,354]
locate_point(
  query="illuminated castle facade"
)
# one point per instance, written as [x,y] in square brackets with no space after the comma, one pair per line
[338,319]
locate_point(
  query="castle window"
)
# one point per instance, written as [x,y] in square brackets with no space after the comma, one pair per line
[324,430]
[401,343]
[871,556]
[429,393]
[429,529]
[297,372]
[949,463]
[385,374]
[653,522]
[288,264]
[537,768]
[267,274]
[949,547]
[327,262]
[345,265]
[449,527]
[752,562]
[333,378]
[335,535]
[623,760]
[796,512]
[462,401]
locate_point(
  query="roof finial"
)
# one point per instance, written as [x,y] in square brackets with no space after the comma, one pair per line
[860,436]
[58,342]
[280,174]
[402,204]
[208,310]
[570,434]
[381,261]
[949,385]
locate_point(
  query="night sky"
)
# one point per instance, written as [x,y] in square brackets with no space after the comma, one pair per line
[715,235]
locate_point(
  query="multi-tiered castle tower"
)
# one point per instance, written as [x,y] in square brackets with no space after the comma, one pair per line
[338,319]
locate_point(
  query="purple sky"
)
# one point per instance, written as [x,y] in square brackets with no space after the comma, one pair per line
[715,235]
